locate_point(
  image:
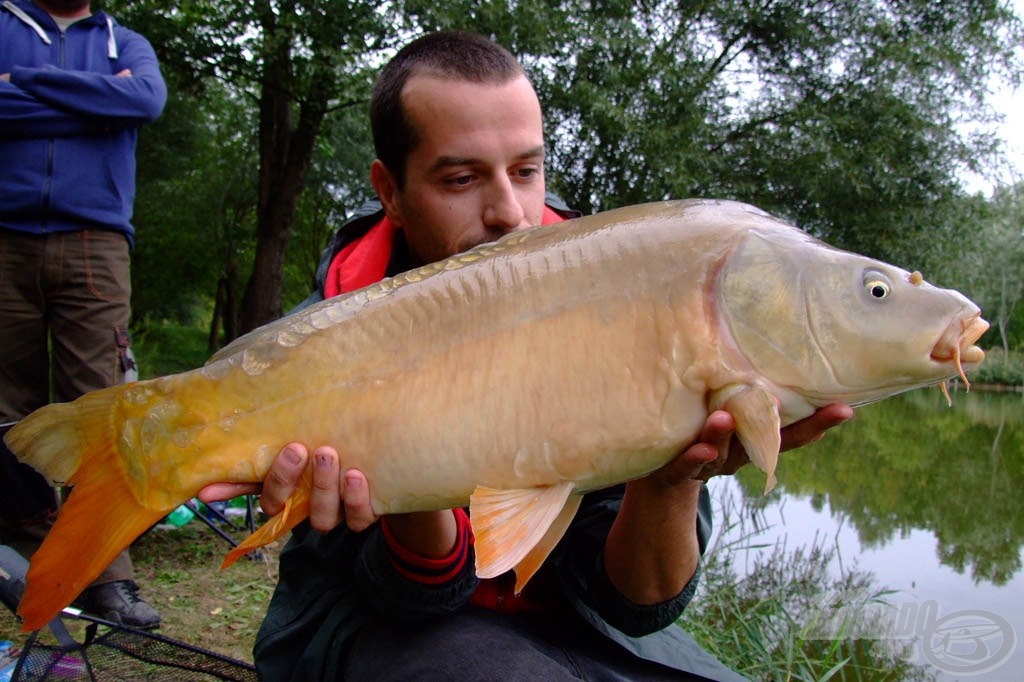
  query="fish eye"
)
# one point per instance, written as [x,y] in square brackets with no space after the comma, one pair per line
[876,285]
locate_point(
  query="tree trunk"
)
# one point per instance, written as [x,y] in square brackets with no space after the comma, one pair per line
[285,151]
[213,339]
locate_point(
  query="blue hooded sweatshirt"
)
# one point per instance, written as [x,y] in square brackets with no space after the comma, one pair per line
[68,124]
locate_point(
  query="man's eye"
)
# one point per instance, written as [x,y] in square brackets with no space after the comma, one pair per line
[460,180]
[528,172]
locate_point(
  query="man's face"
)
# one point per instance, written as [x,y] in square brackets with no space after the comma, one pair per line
[478,170]
[64,7]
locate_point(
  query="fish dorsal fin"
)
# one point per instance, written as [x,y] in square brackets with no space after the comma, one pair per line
[509,524]
[757,426]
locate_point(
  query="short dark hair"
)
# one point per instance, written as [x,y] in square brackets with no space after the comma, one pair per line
[453,55]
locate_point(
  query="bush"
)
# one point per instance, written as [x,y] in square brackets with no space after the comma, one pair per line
[1000,368]
[168,348]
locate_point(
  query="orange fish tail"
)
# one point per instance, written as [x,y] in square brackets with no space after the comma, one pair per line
[73,443]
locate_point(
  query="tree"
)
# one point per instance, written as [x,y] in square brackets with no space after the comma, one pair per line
[296,62]
[991,262]
[840,115]
[311,54]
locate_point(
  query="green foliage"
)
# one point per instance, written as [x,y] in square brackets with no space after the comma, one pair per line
[843,116]
[194,213]
[990,263]
[1001,368]
[337,184]
[168,348]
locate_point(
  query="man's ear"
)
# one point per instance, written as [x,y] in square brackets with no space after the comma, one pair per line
[387,191]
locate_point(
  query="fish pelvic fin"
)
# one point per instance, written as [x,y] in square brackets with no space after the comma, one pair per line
[533,560]
[73,444]
[758,426]
[296,509]
[518,528]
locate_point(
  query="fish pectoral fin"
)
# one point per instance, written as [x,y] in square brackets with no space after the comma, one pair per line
[296,509]
[758,427]
[519,527]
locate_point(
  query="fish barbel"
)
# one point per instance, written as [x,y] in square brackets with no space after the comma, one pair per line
[513,378]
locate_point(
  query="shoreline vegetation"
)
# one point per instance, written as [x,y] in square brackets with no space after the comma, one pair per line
[1001,371]
[778,613]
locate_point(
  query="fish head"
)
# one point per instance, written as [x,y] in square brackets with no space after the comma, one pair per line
[835,326]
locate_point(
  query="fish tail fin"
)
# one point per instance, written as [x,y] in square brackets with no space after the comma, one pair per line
[50,441]
[296,508]
[73,443]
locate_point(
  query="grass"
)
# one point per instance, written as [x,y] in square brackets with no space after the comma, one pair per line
[760,620]
[221,610]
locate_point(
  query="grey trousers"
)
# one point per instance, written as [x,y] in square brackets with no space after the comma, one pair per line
[64,310]
[478,645]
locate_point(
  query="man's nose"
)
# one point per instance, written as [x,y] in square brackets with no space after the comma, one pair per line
[503,212]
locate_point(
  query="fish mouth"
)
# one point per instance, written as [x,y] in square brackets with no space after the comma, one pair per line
[956,344]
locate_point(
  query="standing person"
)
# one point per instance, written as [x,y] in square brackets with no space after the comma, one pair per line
[74,89]
[460,161]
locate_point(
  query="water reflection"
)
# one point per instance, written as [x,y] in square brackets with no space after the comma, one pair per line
[913,463]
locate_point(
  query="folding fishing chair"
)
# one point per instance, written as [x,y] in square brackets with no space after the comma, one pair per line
[109,651]
[217,520]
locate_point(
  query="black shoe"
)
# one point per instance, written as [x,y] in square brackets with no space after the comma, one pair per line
[119,602]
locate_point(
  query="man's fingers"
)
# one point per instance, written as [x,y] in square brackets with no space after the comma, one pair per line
[325,498]
[813,428]
[718,429]
[705,455]
[283,477]
[356,491]
[219,492]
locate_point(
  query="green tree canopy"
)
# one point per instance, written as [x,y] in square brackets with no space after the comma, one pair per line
[844,116]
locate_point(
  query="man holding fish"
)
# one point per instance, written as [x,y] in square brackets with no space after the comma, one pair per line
[459,139]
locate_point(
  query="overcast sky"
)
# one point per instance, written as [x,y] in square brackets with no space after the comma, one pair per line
[1010,104]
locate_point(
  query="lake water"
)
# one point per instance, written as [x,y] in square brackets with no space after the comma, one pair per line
[928,498]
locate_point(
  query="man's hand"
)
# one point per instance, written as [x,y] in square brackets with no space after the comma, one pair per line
[717,453]
[333,498]
[813,428]
[5,77]
[337,498]
[652,549]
